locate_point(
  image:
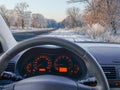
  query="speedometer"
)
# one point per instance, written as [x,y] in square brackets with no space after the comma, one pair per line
[63,64]
[42,64]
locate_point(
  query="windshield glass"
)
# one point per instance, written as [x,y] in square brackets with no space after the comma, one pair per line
[75,20]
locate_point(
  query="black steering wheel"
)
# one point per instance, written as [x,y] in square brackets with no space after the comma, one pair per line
[51,82]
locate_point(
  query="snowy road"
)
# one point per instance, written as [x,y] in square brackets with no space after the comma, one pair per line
[61,33]
[69,35]
[22,34]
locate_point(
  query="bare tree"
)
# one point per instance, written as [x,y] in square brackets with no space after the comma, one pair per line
[20,9]
[91,6]
[111,10]
[35,21]
[73,19]
[104,12]
[38,21]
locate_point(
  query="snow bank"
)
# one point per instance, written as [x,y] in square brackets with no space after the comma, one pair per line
[98,33]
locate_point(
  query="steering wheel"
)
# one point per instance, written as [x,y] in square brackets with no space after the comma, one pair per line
[51,82]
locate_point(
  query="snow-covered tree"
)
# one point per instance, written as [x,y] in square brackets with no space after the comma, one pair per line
[104,12]
[20,8]
[73,18]
[51,23]
[38,21]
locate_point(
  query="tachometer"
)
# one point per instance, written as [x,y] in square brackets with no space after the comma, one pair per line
[30,68]
[63,64]
[42,64]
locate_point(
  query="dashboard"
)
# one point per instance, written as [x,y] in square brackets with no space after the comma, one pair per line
[46,61]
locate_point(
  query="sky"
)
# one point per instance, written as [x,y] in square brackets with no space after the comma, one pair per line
[51,9]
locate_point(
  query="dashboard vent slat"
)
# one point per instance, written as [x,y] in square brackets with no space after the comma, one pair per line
[110,72]
[10,67]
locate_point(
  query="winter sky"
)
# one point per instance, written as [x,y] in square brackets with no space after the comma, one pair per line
[51,9]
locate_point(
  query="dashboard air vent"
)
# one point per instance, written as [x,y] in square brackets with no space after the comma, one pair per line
[110,72]
[10,67]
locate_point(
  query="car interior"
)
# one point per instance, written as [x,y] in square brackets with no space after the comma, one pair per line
[54,63]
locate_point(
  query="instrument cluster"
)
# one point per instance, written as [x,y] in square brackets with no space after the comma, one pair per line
[49,64]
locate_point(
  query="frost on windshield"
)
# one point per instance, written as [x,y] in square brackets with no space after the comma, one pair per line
[82,20]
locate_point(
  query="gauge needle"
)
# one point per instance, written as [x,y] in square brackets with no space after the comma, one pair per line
[41,63]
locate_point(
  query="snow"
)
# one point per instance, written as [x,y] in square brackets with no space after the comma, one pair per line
[30,30]
[68,35]
[102,34]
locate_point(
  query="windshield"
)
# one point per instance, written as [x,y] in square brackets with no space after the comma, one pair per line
[75,20]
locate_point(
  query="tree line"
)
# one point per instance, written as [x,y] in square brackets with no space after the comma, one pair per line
[104,12]
[16,18]
[20,17]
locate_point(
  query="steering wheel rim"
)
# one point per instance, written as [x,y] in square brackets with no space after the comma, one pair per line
[90,61]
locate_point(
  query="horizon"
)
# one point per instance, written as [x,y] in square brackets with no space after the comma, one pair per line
[51,10]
